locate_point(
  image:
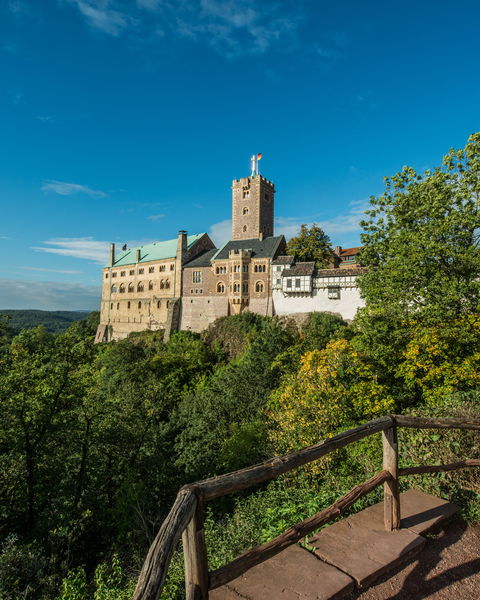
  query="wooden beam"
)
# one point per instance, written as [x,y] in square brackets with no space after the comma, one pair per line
[195,556]
[293,534]
[154,571]
[461,464]
[391,494]
[244,478]
[427,423]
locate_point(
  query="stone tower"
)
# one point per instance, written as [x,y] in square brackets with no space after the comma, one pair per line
[252,208]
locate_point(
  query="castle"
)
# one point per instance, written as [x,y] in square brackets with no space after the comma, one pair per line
[187,283]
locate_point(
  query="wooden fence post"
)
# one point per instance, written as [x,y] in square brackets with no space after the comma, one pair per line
[195,555]
[391,491]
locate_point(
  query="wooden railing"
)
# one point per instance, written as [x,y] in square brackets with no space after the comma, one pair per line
[187,516]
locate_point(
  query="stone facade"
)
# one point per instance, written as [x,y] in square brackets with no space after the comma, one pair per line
[187,283]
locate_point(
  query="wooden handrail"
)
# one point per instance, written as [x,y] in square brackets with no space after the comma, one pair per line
[186,515]
[154,571]
[250,476]
[293,534]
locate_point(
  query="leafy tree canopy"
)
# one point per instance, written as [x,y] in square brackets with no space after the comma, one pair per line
[312,244]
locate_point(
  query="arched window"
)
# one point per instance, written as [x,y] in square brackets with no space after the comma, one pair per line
[236,287]
[259,286]
[162,284]
[111,306]
[114,289]
[140,287]
[158,303]
[168,303]
[118,305]
[131,288]
[139,305]
[121,289]
[128,304]
[150,285]
[167,284]
[244,228]
[220,288]
[245,210]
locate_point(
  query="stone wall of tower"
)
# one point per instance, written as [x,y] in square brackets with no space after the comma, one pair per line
[252,208]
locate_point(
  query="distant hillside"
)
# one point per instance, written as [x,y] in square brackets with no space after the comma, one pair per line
[53,320]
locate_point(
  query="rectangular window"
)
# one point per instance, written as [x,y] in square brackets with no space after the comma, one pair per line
[245,268]
[279,282]
[279,268]
[289,283]
[122,273]
[334,293]
[106,275]
[297,282]
[131,272]
[197,277]
[114,274]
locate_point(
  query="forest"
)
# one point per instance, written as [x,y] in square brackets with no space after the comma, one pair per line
[53,320]
[95,440]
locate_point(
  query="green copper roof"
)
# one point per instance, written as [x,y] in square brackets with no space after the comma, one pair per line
[154,251]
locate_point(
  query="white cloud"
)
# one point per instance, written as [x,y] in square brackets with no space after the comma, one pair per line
[337,226]
[41,269]
[156,217]
[233,28]
[48,295]
[221,232]
[86,248]
[64,188]
[100,15]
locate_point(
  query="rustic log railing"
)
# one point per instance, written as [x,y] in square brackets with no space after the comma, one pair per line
[186,518]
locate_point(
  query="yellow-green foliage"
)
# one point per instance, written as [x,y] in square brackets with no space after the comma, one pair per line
[332,388]
[444,359]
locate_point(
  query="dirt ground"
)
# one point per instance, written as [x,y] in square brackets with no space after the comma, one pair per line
[448,568]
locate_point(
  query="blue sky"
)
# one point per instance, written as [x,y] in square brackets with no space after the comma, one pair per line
[126,120]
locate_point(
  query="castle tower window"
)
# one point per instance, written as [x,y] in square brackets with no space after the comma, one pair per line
[236,287]
[122,288]
[150,285]
[140,286]
[139,305]
[245,210]
[245,288]
[106,275]
[131,288]
[128,304]
[197,277]
[259,286]
[244,228]
[151,269]
[158,303]
[220,288]
[114,289]
[246,194]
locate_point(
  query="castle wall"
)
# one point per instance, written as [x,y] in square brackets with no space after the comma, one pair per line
[199,312]
[346,306]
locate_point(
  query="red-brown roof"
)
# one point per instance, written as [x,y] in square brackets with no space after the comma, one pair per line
[350,251]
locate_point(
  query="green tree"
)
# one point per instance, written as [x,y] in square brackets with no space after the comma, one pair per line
[312,244]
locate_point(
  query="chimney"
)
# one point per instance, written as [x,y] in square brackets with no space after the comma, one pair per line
[338,250]
[138,255]
[180,259]
[112,254]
